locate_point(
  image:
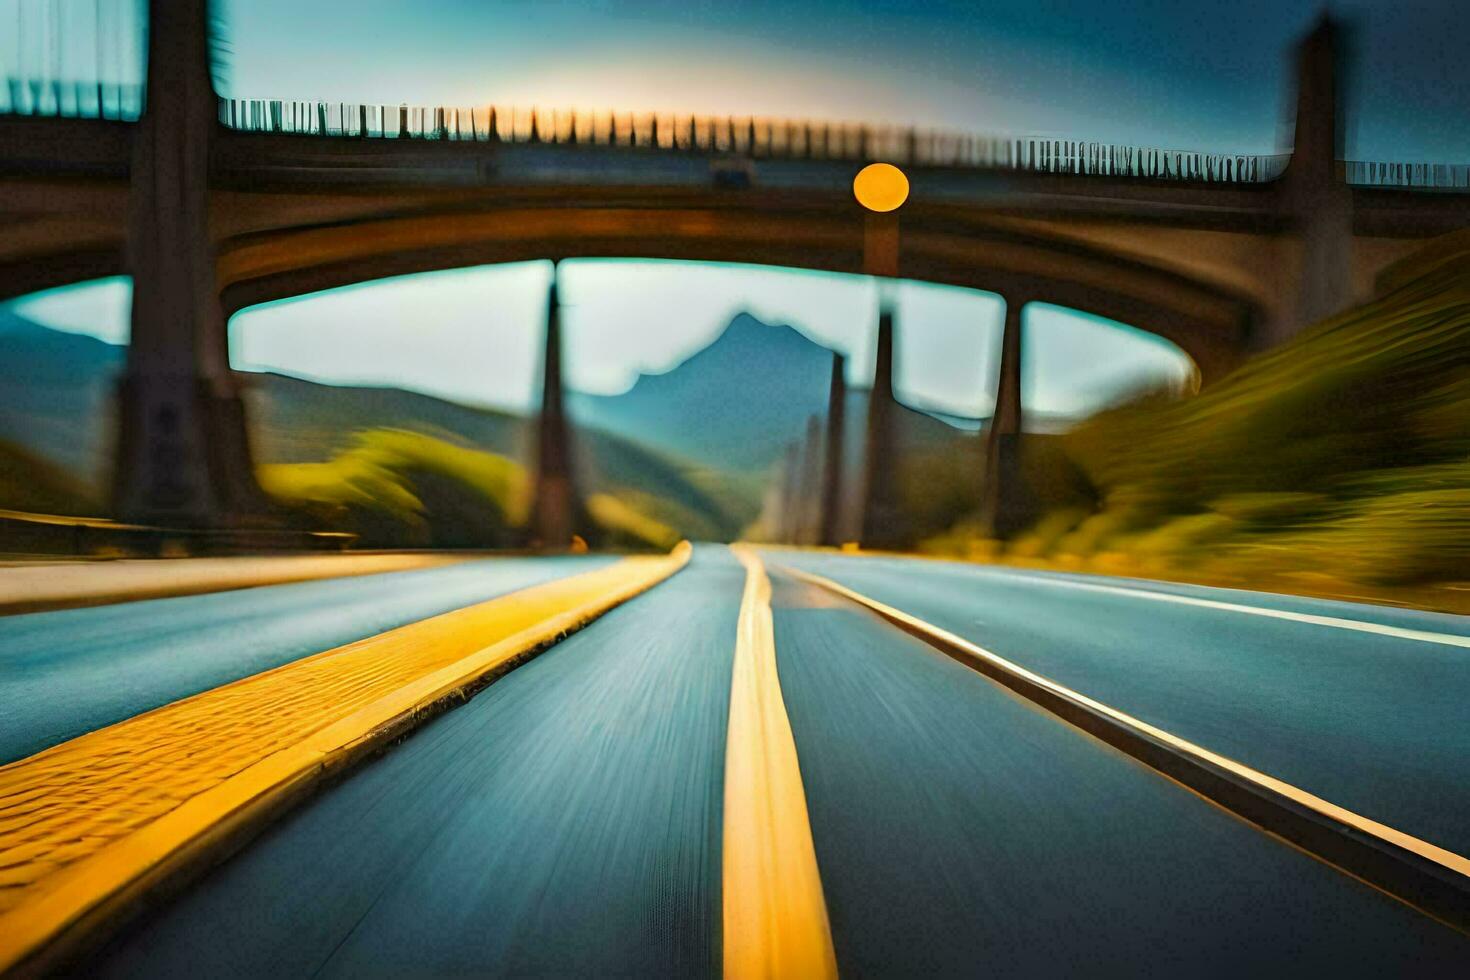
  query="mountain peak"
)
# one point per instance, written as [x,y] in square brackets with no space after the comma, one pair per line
[748,342]
[735,403]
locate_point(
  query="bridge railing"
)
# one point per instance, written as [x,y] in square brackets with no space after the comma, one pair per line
[54,98]
[743,136]
[752,137]
[1427,176]
[79,60]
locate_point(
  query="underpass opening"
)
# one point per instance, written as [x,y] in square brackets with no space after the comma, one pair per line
[698,398]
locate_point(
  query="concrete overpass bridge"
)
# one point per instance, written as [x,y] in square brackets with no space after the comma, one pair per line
[212,206]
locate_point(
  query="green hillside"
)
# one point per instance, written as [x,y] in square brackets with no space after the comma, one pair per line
[1342,456]
[56,431]
[301,422]
[30,483]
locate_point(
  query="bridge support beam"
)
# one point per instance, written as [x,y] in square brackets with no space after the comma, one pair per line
[809,496]
[557,512]
[183,457]
[1004,503]
[829,529]
[1317,198]
[788,494]
[883,524]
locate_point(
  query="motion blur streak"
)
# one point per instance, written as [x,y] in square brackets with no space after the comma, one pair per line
[74,671]
[1446,859]
[1423,636]
[1371,722]
[962,832]
[565,822]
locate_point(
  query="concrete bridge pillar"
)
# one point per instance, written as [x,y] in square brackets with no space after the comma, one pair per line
[1004,506]
[883,522]
[183,457]
[557,512]
[809,497]
[787,512]
[830,514]
[1315,192]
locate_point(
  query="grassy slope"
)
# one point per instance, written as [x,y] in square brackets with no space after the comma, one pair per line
[30,483]
[1337,462]
[299,421]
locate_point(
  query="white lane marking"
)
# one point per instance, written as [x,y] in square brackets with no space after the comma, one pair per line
[1357,625]
[1445,858]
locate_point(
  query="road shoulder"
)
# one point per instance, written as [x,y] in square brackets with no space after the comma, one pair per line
[93,827]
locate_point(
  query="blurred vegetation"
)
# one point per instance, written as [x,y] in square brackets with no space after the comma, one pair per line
[1338,461]
[396,488]
[30,483]
[297,421]
[624,525]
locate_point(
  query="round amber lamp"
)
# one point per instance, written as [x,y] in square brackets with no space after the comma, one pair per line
[880,187]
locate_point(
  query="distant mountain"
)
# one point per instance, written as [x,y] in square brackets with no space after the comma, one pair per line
[697,445]
[303,421]
[56,395]
[57,409]
[735,405]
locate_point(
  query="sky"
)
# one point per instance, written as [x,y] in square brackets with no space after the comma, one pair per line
[1175,74]
[1178,74]
[474,335]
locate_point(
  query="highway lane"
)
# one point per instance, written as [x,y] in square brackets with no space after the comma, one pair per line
[567,821]
[1368,721]
[68,672]
[962,831]
[1391,616]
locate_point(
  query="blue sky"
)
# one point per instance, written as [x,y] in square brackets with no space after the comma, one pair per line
[1180,74]
[1175,73]
[474,335]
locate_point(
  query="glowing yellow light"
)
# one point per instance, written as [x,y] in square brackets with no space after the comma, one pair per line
[880,187]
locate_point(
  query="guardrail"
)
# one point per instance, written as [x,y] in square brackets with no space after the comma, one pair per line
[745,136]
[55,99]
[741,136]
[1423,176]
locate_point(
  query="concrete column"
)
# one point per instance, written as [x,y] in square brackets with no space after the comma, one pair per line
[183,456]
[809,494]
[1315,193]
[884,524]
[880,243]
[830,515]
[557,509]
[1004,503]
[789,511]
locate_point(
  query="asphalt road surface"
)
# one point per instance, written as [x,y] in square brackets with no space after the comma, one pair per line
[565,822]
[73,671]
[568,820]
[1372,721]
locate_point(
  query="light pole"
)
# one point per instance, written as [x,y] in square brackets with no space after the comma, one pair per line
[881,189]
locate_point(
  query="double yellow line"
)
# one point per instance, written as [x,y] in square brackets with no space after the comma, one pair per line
[775,917]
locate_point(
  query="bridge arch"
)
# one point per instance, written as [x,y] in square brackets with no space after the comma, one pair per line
[1208,323]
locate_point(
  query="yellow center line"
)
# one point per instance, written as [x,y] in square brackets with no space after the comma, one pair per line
[1455,864]
[775,917]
